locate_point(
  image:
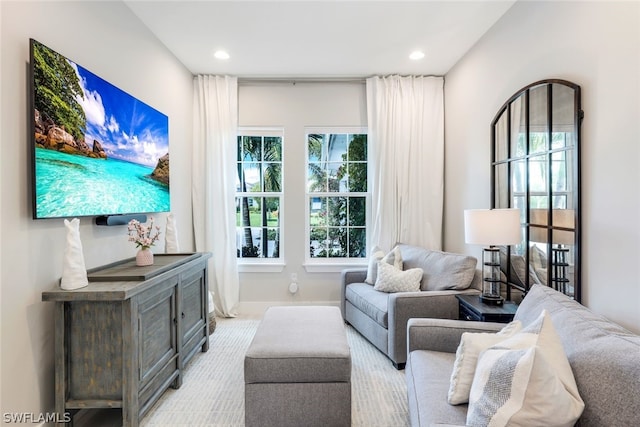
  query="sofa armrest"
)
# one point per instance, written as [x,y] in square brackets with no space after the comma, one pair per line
[348,276]
[353,275]
[423,304]
[443,334]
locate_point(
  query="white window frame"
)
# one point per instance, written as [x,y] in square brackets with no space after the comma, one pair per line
[266,265]
[328,265]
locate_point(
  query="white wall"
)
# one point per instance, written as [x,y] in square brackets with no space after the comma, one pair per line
[293,107]
[106,38]
[596,45]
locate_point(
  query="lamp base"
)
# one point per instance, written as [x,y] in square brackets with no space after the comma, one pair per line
[491,299]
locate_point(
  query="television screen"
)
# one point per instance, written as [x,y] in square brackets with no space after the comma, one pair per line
[96,149]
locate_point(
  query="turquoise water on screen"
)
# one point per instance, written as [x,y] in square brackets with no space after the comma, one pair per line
[69,185]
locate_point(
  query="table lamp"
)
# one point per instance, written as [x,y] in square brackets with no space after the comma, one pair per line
[492,227]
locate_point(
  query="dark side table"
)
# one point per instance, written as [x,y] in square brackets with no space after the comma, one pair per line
[471,308]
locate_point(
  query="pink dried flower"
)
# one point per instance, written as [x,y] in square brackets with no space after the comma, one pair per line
[144,236]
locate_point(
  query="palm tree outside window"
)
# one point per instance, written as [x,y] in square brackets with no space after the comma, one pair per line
[337,195]
[259,192]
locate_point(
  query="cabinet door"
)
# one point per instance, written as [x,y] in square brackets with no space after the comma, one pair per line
[94,349]
[157,336]
[193,315]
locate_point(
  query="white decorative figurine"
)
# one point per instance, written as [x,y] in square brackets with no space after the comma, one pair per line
[74,274]
[171,236]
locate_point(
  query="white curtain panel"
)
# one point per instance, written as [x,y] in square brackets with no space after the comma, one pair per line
[406,140]
[213,194]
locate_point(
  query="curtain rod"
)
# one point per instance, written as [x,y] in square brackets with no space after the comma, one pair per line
[294,80]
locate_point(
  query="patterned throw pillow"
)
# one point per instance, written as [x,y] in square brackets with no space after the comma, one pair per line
[390,279]
[525,381]
[464,367]
[393,258]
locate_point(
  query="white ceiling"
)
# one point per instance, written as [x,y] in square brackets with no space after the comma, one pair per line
[311,39]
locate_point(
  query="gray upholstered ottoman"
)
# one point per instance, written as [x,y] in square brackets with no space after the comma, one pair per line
[297,370]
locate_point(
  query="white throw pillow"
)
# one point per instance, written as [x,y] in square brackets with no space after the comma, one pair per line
[464,367]
[525,380]
[375,255]
[390,279]
[394,257]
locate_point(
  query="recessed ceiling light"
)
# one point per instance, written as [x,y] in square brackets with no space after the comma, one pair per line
[416,54]
[221,54]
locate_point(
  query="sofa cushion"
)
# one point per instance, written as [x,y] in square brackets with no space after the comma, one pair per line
[371,302]
[299,344]
[525,380]
[427,376]
[464,367]
[441,270]
[604,357]
[390,279]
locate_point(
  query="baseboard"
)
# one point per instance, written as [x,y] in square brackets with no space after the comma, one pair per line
[257,308]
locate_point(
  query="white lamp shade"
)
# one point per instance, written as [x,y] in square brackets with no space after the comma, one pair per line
[492,227]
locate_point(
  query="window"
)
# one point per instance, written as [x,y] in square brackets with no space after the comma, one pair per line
[337,197]
[259,189]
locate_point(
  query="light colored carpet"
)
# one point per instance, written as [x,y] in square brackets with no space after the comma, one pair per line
[212,392]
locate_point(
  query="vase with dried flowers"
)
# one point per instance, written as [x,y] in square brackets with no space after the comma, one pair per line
[144,236]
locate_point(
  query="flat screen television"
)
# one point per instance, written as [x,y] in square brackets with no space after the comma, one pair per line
[97,151]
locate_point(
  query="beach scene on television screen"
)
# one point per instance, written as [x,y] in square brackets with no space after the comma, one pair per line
[98,150]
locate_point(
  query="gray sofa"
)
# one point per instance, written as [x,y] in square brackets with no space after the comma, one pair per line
[604,358]
[382,317]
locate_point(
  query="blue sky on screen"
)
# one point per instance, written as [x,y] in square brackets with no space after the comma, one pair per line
[127,128]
